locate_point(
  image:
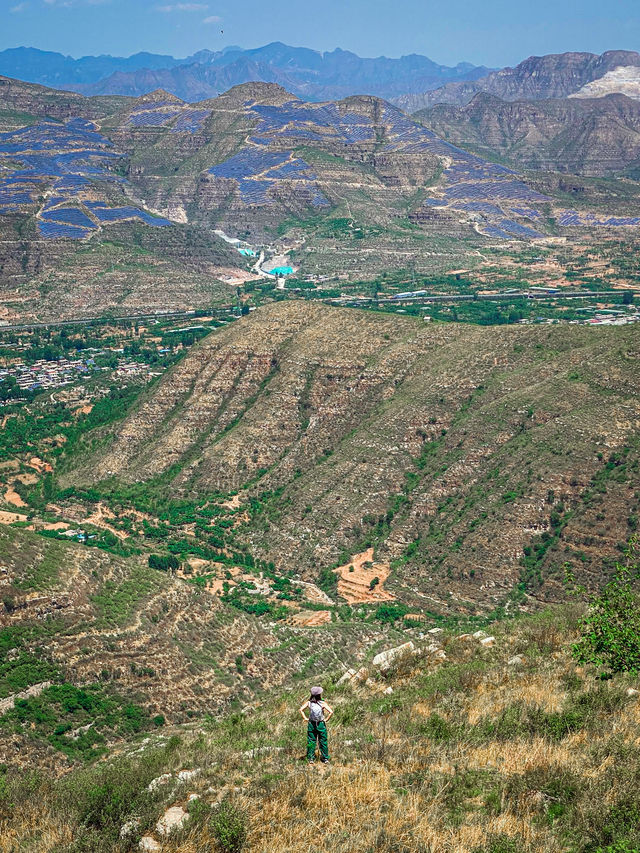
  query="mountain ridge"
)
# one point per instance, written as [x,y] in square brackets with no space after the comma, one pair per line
[596,136]
[536,78]
[307,73]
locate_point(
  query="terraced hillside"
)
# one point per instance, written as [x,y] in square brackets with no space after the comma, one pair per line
[472,459]
[128,200]
[465,744]
[108,647]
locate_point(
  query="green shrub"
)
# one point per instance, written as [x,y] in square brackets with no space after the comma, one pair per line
[229,827]
[437,728]
[163,563]
[502,844]
[327,581]
[390,612]
[611,629]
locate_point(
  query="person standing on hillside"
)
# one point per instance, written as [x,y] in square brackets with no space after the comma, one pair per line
[319,714]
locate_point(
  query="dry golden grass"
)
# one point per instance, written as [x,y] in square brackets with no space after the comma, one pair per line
[399,783]
[36,828]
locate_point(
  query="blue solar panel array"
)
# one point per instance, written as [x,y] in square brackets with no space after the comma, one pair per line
[152,118]
[293,119]
[57,230]
[69,216]
[117,214]
[66,160]
[191,121]
[570,218]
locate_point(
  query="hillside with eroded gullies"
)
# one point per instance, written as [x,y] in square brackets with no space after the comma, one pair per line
[109,647]
[595,136]
[474,460]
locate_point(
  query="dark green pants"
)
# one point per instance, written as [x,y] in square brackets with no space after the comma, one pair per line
[317,732]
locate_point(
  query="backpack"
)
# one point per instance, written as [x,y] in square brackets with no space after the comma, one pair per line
[316,712]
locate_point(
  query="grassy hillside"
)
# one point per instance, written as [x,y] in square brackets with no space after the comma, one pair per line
[110,647]
[503,747]
[474,461]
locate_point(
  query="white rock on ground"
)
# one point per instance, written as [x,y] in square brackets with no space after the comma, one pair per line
[385,659]
[516,660]
[348,675]
[172,819]
[188,775]
[435,631]
[154,784]
[631,691]
[149,844]
[389,691]
[479,635]
[127,828]
[487,641]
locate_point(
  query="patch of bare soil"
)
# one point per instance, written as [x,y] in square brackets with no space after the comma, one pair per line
[357,585]
[100,518]
[13,498]
[310,618]
[40,465]
[10,517]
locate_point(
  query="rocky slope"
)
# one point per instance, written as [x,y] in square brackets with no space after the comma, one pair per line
[82,618]
[469,457]
[595,136]
[537,78]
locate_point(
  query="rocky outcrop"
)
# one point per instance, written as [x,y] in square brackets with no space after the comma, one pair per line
[596,136]
[537,78]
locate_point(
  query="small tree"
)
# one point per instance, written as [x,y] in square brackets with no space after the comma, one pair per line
[611,628]
[374,582]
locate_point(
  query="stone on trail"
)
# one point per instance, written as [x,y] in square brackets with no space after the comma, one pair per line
[385,659]
[130,826]
[348,675]
[188,775]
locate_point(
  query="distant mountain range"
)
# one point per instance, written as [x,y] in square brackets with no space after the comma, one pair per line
[309,74]
[538,78]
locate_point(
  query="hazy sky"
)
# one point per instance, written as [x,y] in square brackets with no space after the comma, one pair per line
[489,32]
